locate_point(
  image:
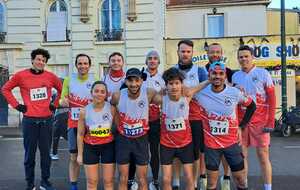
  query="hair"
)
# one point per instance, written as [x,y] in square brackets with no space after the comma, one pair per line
[116,53]
[186,42]
[42,52]
[245,48]
[83,55]
[172,74]
[215,44]
[99,82]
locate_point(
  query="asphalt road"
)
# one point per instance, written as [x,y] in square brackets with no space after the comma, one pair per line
[285,156]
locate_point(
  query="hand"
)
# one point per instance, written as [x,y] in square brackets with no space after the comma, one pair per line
[144,75]
[21,108]
[267,129]
[52,107]
[242,89]
[79,159]
[186,91]
[240,136]
[65,102]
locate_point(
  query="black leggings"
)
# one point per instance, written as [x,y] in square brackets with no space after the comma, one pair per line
[59,130]
[154,138]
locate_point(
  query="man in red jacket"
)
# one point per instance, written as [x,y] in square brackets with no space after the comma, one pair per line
[35,86]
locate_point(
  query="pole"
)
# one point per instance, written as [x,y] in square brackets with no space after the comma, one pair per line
[283,63]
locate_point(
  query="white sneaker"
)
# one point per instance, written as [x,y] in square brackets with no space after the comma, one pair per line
[202,183]
[225,184]
[54,157]
[134,186]
[153,186]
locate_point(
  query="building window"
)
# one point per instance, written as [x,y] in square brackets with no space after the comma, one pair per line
[110,17]
[2,22]
[215,25]
[57,22]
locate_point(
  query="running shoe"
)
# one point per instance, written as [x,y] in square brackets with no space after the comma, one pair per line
[225,184]
[154,185]
[202,183]
[46,185]
[132,185]
[30,187]
[54,157]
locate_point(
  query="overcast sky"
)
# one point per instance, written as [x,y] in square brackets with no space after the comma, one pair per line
[289,4]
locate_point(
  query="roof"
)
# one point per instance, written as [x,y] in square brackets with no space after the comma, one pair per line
[171,3]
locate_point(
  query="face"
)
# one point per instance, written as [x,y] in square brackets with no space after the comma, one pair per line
[116,63]
[83,65]
[246,60]
[39,62]
[214,53]
[217,77]
[134,84]
[99,93]
[174,87]
[152,63]
[185,53]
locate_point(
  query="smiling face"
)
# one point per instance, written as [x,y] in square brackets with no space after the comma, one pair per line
[116,63]
[152,62]
[134,84]
[99,93]
[246,60]
[217,77]
[185,53]
[214,53]
[39,62]
[83,65]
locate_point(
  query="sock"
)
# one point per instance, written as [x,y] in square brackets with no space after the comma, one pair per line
[203,176]
[74,183]
[196,184]
[226,177]
[268,186]
[176,182]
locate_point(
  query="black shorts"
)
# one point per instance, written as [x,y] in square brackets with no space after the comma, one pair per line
[104,153]
[198,137]
[136,147]
[233,155]
[154,132]
[184,154]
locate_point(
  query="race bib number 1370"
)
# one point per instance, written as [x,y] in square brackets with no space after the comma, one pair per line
[38,94]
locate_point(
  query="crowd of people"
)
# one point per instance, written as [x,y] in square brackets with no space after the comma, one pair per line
[188,117]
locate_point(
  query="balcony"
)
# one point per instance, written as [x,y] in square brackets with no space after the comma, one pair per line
[68,37]
[2,37]
[109,35]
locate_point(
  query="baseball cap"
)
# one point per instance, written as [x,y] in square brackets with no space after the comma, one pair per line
[217,65]
[133,72]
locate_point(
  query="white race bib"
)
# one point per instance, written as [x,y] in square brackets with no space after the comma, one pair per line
[75,113]
[177,124]
[218,127]
[135,129]
[38,94]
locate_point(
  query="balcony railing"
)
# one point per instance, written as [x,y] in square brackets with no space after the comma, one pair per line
[68,37]
[109,35]
[2,37]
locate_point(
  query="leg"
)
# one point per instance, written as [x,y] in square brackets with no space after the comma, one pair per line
[196,127]
[142,176]
[167,176]
[74,167]
[225,180]
[92,176]
[56,136]
[132,168]
[240,179]
[189,177]
[123,175]
[245,154]
[30,140]
[154,140]
[212,161]
[212,179]
[108,178]
[265,164]
[44,147]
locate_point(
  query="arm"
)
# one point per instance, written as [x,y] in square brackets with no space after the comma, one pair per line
[115,99]
[80,135]
[154,97]
[248,114]
[115,115]
[271,100]
[65,92]
[58,86]
[199,87]
[8,87]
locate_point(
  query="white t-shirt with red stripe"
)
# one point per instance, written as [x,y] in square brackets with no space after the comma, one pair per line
[134,114]
[220,122]
[255,83]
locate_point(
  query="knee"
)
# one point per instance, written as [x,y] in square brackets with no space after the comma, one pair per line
[264,159]
[142,181]
[92,183]
[167,179]
[108,181]
[241,181]
[123,178]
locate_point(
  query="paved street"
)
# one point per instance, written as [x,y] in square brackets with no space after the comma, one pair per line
[285,155]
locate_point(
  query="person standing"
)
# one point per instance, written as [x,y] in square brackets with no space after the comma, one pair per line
[35,86]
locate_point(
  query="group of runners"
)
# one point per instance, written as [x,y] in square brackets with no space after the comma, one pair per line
[188,117]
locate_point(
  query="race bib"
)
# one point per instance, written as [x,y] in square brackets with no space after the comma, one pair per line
[218,127]
[135,129]
[175,124]
[75,113]
[100,130]
[38,94]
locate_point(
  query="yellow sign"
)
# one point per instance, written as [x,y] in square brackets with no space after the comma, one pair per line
[266,50]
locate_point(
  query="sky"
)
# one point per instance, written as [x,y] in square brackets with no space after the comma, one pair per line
[289,4]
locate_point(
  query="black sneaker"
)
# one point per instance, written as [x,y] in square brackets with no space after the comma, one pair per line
[46,185]
[175,188]
[30,187]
